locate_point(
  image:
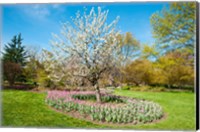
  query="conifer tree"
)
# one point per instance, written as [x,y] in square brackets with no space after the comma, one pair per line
[14,59]
[14,51]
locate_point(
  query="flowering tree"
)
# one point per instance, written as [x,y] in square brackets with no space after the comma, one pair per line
[88,45]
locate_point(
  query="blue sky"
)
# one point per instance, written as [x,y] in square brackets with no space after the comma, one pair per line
[36,22]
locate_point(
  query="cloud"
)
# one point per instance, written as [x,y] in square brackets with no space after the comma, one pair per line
[37,11]
[56,6]
[41,11]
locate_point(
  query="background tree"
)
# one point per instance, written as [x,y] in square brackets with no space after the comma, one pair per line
[11,72]
[129,47]
[174,28]
[138,72]
[14,51]
[42,79]
[14,58]
[32,64]
[92,42]
[177,69]
[129,50]
[150,52]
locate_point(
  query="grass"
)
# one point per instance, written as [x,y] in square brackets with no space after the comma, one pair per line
[178,106]
[28,109]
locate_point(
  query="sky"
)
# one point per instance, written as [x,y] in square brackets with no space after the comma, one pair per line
[37,22]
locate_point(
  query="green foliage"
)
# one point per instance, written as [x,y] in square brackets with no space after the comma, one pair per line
[14,58]
[176,68]
[43,79]
[126,87]
[148,88]
[175,28]
[14,51]
[150,52]
[35,73]
[32,66]
[129,46]
[138,72]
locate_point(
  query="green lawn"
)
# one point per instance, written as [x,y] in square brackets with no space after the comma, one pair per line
[23,108]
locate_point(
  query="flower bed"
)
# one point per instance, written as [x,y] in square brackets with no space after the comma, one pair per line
[110,110]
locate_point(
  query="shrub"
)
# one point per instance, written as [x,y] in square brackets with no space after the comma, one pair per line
[148,88]
[11,72]
[126,87]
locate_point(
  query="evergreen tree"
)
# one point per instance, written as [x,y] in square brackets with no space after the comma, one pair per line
[14,58]
[15,52]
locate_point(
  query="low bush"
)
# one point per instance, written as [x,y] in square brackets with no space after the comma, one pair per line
[126,87]
[148,88]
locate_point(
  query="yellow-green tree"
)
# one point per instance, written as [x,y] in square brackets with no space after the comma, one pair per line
[150,52]
[176,68]
[138,72]
[129,46]
[174,28]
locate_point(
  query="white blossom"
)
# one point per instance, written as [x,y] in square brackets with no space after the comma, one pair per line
[88,45]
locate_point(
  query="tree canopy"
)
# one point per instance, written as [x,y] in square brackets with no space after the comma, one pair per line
[175,28]
[129,46]
[89,43]
[15,52]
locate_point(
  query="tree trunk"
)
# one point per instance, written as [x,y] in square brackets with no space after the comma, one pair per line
[136,84]
[179,86]
[11,82]
[98,94]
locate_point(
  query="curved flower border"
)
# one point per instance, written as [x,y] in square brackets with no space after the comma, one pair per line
[134,111]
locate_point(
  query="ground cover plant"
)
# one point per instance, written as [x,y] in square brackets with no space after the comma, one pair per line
[133,111]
